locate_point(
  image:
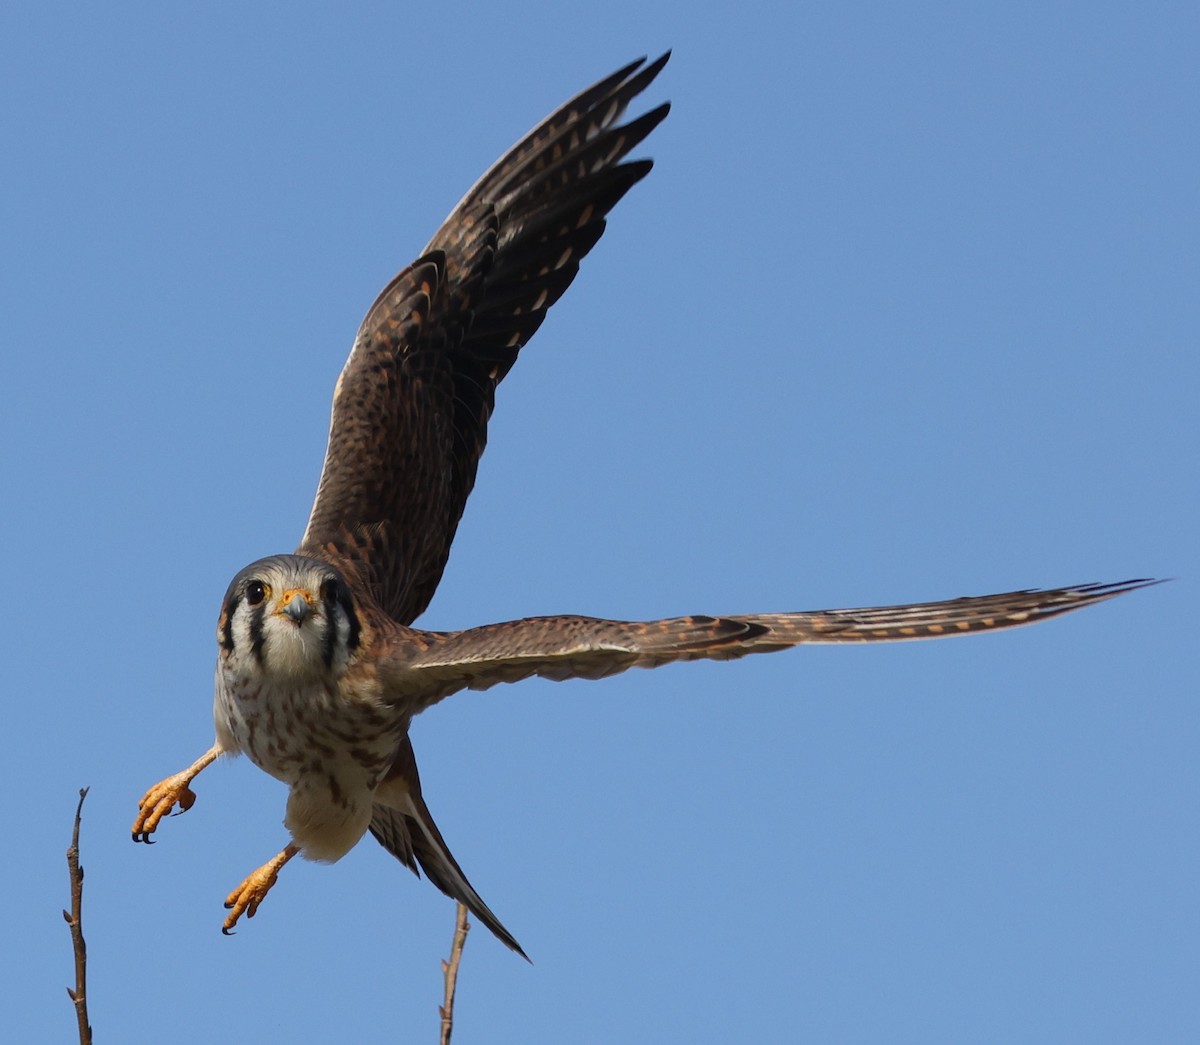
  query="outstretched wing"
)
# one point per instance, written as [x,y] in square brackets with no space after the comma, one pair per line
[402,824]
[585,647]
[411,407]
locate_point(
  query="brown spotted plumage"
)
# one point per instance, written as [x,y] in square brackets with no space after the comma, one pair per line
[411,408]
[319,672]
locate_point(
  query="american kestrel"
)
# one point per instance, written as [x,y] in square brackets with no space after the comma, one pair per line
[319,672]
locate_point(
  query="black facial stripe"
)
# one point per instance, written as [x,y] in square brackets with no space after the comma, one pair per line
[347,604]
[335,594]
[227,625]
[329,642]
[257,613]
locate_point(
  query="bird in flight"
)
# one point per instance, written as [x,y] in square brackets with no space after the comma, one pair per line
[319,670]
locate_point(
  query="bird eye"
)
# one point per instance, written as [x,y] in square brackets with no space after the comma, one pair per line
[256,591]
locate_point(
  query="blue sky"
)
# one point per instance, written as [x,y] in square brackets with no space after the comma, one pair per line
[907,310]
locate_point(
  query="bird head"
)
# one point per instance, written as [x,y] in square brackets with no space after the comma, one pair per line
[288,615]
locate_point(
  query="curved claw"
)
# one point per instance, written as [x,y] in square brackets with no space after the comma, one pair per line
[167,794]
[247,896]
[159,801]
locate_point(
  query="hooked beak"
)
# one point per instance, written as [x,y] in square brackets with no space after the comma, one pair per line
[296,604]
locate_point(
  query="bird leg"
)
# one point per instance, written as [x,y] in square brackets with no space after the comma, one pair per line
[166,794]
[247,896]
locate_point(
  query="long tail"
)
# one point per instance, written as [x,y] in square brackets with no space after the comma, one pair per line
[405,828]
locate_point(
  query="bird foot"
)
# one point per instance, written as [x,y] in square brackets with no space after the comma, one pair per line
[166,794]
[159,801]
[247,896]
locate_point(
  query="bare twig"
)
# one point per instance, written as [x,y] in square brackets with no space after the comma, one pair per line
[450,972]
[75,920]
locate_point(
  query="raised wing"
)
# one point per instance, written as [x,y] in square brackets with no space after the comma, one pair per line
[585,647]
[411,407]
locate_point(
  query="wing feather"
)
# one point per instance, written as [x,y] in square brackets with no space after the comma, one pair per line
[413,401]
[565,647]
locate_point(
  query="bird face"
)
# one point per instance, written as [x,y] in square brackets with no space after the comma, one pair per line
[287,616]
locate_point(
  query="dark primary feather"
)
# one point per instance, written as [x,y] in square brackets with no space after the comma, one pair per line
[411,408]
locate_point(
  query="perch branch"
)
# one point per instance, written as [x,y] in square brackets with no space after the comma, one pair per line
[75,920]
[450,972]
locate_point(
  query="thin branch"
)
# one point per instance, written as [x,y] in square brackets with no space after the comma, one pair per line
[450,972]
[75,920]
